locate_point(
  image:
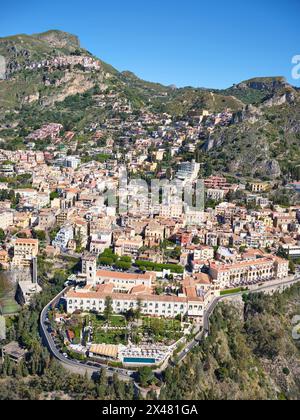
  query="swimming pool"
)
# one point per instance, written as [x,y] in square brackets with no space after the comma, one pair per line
[139,360]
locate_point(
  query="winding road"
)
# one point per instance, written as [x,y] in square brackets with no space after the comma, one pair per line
[269,288]
[72,365]
[93,368]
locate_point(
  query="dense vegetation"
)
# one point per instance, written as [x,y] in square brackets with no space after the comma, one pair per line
[39,376]
[250,354]
[56,383]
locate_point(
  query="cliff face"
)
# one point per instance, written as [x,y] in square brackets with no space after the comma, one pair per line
[263,138]
[265,84]
[244,149]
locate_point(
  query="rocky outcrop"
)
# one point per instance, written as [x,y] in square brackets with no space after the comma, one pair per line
[271,84]
[31,98]
[59,39]
[277,100]
[250,114]
[73,84]
[272,168]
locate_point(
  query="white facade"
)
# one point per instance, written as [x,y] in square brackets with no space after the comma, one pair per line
[65,234]
[160,306]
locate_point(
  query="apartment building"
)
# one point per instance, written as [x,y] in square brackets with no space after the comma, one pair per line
[24,251]
[154,234]
[99,242]
[203,253]
[171,210]
[216,183]
[26,290]
[65,234]
[216,194]
[291,250]
[46,219]
[258,187]
[27,193]
[22,220]
[188,171]
[63,216]
[128,247]
[194,217]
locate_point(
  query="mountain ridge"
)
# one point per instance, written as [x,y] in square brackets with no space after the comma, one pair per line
[262,138]
[61,39]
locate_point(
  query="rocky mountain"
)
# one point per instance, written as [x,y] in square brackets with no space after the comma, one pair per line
[264,137]
[51,78]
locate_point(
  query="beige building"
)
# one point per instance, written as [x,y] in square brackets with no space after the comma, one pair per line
[122,280]
[6,219]
[192,304]
[216,194]
[24,251]
[154,234]
[260,269]
[128,247]
[203,252]
[22,220]
[171,211]
[46,219]
[3,259]
[159,155]
[258,187]
[125,280]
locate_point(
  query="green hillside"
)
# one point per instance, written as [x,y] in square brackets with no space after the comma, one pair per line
[250,354]
[262,140]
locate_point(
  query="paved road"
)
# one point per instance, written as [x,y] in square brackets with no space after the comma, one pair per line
[271,288]
[82,368]
[73,365]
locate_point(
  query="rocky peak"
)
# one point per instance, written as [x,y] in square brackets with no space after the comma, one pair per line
[268,84]
[59,39]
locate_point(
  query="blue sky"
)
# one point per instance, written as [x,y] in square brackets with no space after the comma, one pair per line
[192,42]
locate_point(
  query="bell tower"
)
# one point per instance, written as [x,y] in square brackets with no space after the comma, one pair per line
[89,268]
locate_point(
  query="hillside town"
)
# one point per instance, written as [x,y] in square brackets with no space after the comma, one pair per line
[167,258]
[150,204]
[234,239]
[145,230]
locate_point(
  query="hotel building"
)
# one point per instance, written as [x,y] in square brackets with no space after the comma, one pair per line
[262,269]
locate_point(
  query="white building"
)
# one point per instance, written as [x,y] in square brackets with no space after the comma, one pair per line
[72,162]
[65,234]
[188,171]
[153,305]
